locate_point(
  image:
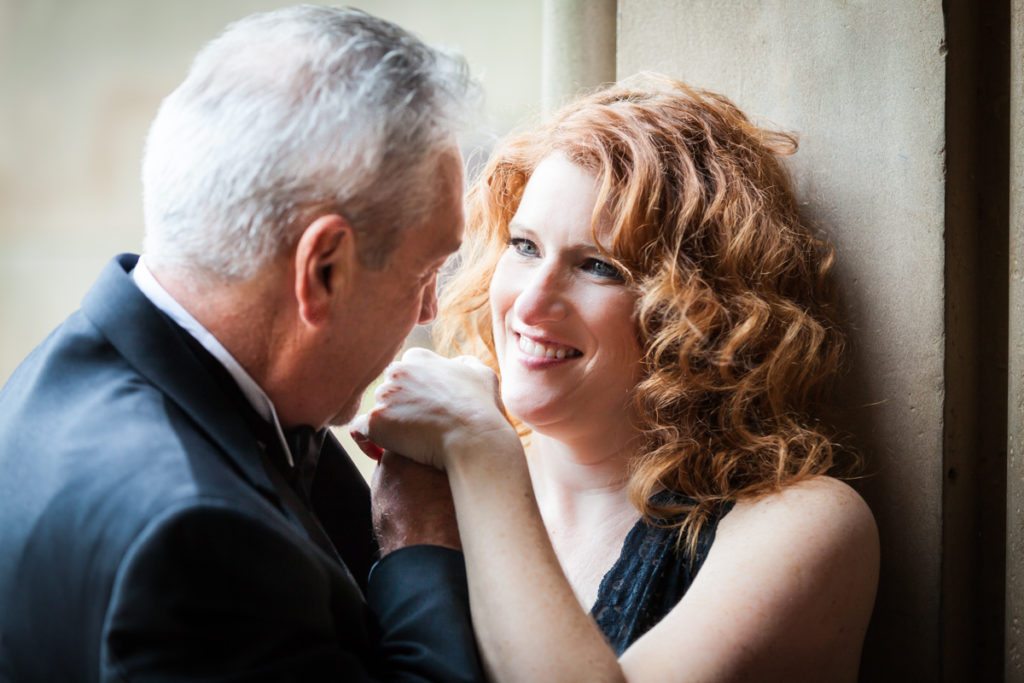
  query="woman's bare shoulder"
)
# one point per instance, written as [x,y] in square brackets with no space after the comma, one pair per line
[785,593]
[813,543]
[822,510]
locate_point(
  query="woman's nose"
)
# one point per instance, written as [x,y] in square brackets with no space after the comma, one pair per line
[542,298]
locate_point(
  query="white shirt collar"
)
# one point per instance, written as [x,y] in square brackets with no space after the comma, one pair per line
[252,391]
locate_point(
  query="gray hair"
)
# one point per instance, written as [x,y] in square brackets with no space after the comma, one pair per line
[292,114]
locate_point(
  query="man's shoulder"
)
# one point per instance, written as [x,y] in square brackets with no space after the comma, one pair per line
[77,395]
[91,450]
[98,462]
[110,444]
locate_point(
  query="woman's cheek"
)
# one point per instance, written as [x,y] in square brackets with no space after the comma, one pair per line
[502,297]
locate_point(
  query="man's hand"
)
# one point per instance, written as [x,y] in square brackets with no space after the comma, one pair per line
[412,505]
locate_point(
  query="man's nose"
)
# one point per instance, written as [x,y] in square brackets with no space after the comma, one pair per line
[542,298]
[428,307]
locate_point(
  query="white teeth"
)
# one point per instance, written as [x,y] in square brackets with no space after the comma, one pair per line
[532,348]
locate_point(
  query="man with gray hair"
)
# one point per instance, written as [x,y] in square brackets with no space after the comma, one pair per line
[173,505]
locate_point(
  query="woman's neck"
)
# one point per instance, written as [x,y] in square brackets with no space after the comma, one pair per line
[584,502]
[580,485]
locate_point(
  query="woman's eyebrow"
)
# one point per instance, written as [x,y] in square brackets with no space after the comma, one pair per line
[516,226]
[521,227]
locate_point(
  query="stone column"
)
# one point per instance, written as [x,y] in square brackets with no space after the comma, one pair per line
[578,47]
[1015,413]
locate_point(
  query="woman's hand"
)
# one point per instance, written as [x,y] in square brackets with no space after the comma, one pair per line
[433,409]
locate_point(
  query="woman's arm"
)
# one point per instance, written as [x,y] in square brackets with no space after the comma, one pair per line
[528,623]
[784,594]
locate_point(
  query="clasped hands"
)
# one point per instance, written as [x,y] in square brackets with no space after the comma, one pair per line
[430,413]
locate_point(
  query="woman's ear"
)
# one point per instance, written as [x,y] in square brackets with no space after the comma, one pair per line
[325,260]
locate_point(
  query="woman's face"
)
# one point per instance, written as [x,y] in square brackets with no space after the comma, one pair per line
[562,315]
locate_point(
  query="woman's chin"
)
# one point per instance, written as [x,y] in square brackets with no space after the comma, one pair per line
[533,413]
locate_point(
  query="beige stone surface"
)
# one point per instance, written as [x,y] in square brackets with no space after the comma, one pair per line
[863,85]
[578,39]
[1015,409]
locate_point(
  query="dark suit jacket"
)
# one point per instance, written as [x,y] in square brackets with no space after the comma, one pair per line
[141,538]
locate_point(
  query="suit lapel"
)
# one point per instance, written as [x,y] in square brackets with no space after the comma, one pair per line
[153,345]
[341,501]
[160,351]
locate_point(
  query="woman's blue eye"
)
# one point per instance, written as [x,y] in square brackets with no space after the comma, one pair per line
[602,269]
[523,247]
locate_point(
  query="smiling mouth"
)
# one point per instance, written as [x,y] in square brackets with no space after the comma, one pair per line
[546,350]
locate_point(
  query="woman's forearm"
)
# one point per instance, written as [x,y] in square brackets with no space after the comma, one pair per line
[528,622]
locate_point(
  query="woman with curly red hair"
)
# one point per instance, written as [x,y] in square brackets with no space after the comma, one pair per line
[637,275]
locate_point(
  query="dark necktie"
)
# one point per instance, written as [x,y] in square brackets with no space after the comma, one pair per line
[305,444]
[295,482]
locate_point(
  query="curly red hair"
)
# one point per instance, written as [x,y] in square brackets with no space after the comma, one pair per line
[735,313]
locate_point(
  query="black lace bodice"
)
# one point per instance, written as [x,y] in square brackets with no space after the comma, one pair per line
[650,578]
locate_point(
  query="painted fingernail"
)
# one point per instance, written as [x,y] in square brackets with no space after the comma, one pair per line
[368,447]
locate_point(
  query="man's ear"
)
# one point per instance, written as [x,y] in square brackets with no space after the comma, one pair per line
[325,261]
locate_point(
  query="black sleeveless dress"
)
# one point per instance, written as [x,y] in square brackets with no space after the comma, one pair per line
[649,578]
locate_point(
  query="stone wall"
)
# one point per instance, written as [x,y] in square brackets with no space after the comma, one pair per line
[903,114]
[1015,409]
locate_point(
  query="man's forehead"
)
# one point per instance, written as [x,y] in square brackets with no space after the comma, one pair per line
[441,233]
